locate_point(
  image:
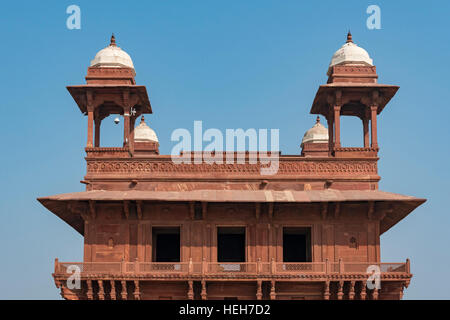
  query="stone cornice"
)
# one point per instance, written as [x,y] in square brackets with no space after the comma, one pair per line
[315,167]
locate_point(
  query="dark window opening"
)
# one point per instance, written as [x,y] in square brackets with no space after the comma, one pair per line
[166,244]
[231,244]
[296,244]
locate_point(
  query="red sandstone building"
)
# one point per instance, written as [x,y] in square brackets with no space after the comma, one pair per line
[154,229]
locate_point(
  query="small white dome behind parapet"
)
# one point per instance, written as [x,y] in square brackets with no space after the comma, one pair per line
[143,133]
[317,134]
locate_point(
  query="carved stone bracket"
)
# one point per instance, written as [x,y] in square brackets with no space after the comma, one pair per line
[204,210]
[337,210]
[92,209]
[270,210]
[126,209]
[370,210]
[324,210]
[139,209]
[192,210]
[257,210]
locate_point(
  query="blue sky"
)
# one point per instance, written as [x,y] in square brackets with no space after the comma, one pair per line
[231,64]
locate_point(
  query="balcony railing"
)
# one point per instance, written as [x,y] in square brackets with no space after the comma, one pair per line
[257,268]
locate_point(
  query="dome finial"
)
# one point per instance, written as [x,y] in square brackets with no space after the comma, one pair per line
[349,37]
[113,41]
[143,133]
[317,134]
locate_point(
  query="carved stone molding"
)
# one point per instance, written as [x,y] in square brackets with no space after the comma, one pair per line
[349,167]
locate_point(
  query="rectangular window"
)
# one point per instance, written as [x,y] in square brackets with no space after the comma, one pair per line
[297,244]
[166,244]
[231,244]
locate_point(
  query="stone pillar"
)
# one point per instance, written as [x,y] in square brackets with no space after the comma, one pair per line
[366,131]
[273,294]
[137,293]
[124,294]
[337,126]
[259,290]
[112,293]
[126,116]
[351,293]
[97,132]
[340,293]
[330,123]
[363,294]
[90,292]
[326,290]
[101,291]
[90,132]
[373,122]
[190,294]
[126,126]
[375,294]
[131,134]
[203,294]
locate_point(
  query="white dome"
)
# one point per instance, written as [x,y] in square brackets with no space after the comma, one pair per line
[317,134]
[350,53]
[112,57]
[143,133]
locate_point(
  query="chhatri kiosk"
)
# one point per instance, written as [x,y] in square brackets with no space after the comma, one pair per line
[155,229]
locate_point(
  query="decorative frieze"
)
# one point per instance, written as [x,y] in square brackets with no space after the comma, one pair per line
[349,167]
